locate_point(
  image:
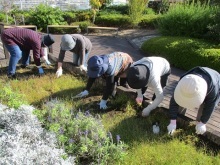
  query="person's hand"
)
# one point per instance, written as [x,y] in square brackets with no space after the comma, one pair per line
[139,100]
[40,70]
[102,104]
[59,72]
[82,94]
[171,127]
[146,112]
[47,62]
[200,128]
[83,68]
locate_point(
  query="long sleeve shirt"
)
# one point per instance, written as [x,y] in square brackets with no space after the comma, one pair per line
[82,47]
[212,98]
[118,64]
[26,39]
[158,67]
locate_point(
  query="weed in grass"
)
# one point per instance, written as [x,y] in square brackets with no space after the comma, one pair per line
[73,127]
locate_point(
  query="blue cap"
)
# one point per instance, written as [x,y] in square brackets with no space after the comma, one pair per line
[97,66]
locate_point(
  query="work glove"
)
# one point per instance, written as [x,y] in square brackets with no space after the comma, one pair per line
[139,98]
[82,94]
[171,127]
[46,61]
[200,128]
[83,68]
[59,72]
[102,104]
[40,70]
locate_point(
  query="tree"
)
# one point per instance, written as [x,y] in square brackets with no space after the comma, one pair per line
[7,6]
[136,10]
[95,5]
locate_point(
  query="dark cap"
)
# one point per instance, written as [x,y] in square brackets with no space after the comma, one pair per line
[137,76]
[47,40]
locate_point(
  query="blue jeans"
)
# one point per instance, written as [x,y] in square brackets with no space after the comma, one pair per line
[76,59]
[15,56]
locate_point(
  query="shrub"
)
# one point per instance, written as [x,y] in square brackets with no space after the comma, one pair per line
[186,20]
[149,21]
[44,15]
[184,53]
[82,134]
[117,20]
[10,97]
[69,16]
[119,9]
[214,29]
[3,18]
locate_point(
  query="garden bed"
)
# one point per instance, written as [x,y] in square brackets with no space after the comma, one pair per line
[121,119]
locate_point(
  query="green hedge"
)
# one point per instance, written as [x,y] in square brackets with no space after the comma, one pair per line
[115,20]
[184,53]
[149,21]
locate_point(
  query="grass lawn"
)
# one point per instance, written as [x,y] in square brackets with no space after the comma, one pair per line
[144,147]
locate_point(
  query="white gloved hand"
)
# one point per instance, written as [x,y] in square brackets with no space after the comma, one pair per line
[82,94]
[59,72]
[146,112]
[44,59]
[83,68]
[102,104]
[200,128]
[171,127]
[47,62]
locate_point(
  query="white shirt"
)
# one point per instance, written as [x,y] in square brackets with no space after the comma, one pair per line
[158,66]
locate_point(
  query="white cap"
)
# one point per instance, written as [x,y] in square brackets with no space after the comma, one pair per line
[190,91]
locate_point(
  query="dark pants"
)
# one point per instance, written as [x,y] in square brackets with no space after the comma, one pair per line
[163,82]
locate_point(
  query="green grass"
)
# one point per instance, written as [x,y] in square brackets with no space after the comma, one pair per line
[184,52]
[144,147]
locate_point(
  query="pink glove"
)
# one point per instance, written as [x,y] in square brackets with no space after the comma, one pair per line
[139,100]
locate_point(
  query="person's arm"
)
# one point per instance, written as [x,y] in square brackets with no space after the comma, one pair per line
[209,105]
[90,83]
[109,87]
[36,47]
[82,51]
[173,109]
[157,88]
[61,57]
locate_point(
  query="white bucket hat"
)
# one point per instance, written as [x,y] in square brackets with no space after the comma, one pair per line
[190,91]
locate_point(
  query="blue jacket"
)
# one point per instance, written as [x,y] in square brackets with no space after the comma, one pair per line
[212,98]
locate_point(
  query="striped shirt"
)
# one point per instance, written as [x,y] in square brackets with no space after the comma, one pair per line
[26,39]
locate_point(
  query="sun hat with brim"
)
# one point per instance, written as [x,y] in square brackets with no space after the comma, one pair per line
[137,76]
[47,40]
[190,91]
[67,42]
[97,66]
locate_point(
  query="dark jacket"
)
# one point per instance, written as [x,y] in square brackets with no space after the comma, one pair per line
[212,98]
